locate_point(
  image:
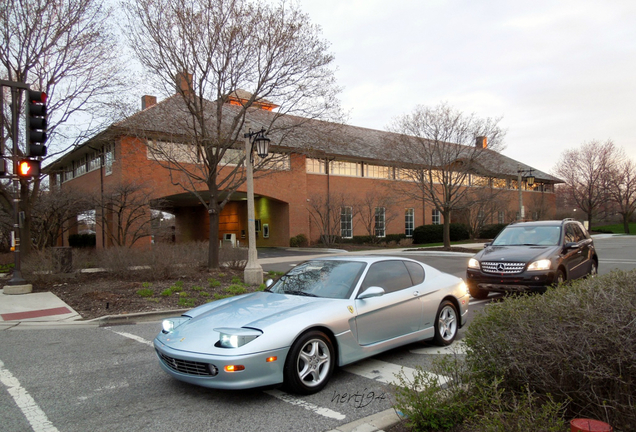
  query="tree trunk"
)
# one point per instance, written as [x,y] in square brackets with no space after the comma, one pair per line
[446,215]
[626,223]
[213,246]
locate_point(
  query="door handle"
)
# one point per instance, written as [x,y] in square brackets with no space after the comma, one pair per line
[416,293]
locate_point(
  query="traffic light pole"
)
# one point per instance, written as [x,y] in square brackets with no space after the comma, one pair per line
[17,284]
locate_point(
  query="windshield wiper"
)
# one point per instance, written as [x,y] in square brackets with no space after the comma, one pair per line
[298,292]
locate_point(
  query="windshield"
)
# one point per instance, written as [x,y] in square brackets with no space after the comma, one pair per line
[528,236]
[328,279]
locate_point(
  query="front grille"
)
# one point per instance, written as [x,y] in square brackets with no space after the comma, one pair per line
[188,367]
[502,267]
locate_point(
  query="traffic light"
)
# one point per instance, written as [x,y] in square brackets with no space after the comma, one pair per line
[36,123]
[28,168]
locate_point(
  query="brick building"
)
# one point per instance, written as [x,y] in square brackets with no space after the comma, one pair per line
[348,169]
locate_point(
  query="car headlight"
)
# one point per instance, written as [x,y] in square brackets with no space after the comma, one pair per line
[473,263]
[543,264]
[463,288]
[236,337]
[170,324]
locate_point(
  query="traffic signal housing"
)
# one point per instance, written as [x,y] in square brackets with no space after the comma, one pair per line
[28,168]
[36,123]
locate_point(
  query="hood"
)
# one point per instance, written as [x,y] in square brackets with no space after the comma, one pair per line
[255,310]
[516,253]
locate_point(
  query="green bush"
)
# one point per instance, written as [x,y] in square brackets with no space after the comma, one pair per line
[298,241]
[82,240]
[435,233]
[491,231]
[576,343]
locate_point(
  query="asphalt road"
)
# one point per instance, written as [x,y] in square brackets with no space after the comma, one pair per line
[105,379]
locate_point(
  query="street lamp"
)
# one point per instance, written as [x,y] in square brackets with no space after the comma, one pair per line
[530,180]
[253,273]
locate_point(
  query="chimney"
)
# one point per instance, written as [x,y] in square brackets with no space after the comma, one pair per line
[481,142]
[148,101]
[183,81]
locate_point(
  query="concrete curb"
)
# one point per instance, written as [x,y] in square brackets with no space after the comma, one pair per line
[372,423]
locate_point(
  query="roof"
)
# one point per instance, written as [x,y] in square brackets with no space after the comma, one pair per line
[171,118]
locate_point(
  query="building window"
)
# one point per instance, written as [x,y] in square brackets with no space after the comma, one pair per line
[94,162]
[502,217]
[346,222]
[80,166]
[409,221]
[344,168]
[380,229]
[109,158]
[436,217]
[315,166]
[377,171]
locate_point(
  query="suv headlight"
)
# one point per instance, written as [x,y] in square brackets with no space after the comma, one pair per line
[236,337]
[543,264]
[473,263]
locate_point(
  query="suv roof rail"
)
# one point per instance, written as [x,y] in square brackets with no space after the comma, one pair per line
[568,219]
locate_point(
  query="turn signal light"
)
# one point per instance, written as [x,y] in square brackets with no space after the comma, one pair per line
[234,368]
[271,359]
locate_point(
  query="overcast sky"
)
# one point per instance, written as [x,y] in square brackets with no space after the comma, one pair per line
[559,72]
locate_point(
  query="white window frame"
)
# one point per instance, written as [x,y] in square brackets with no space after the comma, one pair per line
[409,221]
[380,222]
[346,222]
[436,217]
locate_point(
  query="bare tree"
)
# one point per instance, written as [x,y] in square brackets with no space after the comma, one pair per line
[128,215]
[585,171]
[622,188]
[375,209]
[440,142]
[65,48]
[54,213]
[483,203]
[326,212]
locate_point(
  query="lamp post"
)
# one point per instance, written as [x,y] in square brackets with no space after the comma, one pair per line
[253,274]
[530,179]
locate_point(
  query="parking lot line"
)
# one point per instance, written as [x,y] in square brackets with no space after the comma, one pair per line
[33,413]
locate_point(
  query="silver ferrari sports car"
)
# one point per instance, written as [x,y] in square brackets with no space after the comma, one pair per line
[322,313]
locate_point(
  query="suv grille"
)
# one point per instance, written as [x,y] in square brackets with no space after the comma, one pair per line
[502,267]
[188,367]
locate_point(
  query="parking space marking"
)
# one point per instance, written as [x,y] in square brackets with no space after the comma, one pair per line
[33,413]
[384,372]
[133,337]
[325,412]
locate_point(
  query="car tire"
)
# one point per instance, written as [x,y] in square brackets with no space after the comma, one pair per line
[560,277]
[593,269]
[446,324]
[477,293]
[309,364]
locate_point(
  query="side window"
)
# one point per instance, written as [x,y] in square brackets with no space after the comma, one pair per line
[578,233]
[416,271]
[570,235]
[390,275]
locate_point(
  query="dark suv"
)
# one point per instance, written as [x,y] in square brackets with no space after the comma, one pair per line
[530,256]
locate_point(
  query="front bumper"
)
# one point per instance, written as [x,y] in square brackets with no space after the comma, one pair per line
[209,370]
[524,281]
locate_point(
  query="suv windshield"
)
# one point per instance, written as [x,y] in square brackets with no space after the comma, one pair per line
[528,236]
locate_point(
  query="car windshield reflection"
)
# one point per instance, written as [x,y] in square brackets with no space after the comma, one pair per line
[528,236]
[326,279]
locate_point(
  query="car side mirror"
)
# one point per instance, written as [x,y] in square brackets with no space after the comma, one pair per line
[374,291]
[269,283]
[571,245]
[486,245]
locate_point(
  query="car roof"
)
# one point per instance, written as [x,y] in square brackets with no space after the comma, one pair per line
[360,258]
[543,223]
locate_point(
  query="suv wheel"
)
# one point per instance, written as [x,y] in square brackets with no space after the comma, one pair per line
[593,269]
[477,293]
[560,277]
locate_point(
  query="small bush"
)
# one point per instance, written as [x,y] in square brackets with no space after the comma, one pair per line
[214,283]
[82,240]
[491,231]
[298,241]
[235,289]
[145,292]
[237,280]
[186,302]
[435,233]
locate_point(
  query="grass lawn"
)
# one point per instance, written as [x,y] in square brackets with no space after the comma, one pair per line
[616,228]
